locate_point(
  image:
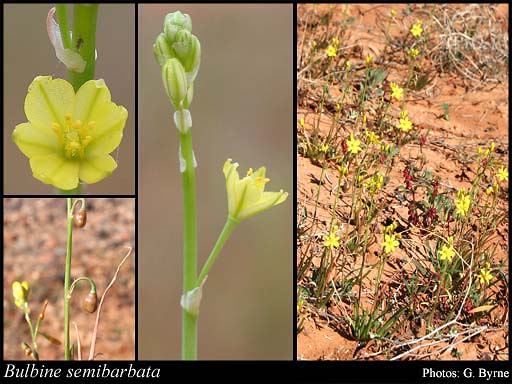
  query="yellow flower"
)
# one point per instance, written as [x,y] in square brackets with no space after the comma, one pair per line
[354,145]
[324,148]
[332,241]
[20,293]
[68,136]
[364,119]
[368,59]
[331,51]
[338,107]
[405,124]
[488,190]
[246,196]
[372,137]
[375,183]
[502,174]
[384,147]
[413,52]
[446,253]
[485,275]
[390,243]
[396,91]
[313,44]
[347,64]
[392,13]
[335,42]
[302,122]
[343,170]
[417,29]
[462,202]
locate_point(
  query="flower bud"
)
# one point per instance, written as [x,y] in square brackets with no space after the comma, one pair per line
[162,50]
[90,302]
[80,218]
[188,51]
[175,22]
[175,82]
[20,293]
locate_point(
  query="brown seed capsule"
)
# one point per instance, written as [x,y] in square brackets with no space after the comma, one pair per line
[90,302]
[80,218]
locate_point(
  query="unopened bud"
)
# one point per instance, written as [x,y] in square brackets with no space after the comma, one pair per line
[175,82]
[43,311]
[188,51]
[175,22]
[162,50]
[80,218]
[90,302]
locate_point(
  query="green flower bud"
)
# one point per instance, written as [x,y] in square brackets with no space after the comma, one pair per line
[175,82]
[162,50]
[188,51]
[175,22]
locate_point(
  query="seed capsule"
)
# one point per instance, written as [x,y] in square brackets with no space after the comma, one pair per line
[90,302]
[80,218]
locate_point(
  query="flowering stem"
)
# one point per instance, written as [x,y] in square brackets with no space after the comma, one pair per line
[67,275]
[223,237]
[189,321]
[62,17]
[84,41]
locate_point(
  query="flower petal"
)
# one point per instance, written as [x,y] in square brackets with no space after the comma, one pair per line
[91,95]
[268,200]
[94,169]
[107,133]
[34,142]
[48,101]
[56,170]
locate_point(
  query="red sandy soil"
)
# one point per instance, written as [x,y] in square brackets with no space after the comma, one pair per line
[35,249]
[476,117]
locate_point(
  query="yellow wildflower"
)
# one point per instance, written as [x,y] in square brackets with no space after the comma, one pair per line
[68,136]
[485,275]
[417,29]
[446,253]
[405,124]
[354,145]
[246,196]
[392,13]
[20,293]
[331,51]
[368,59]
[390,243]
[324,148]
[396,91]
[502,174]
[462,202]
[414,52]
[336,42]
[347,64]
[372,137]
[332,241]
[302,122]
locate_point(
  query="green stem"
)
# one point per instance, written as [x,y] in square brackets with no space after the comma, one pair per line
[189,325]
[84,41]
[223,237]
[67,276]
[33,335]
[61,10]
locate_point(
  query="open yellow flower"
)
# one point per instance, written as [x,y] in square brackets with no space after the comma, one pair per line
[446,253]
[417,28]
[332,241]
[390,243]
[68,136]
[246,197]
[331,51]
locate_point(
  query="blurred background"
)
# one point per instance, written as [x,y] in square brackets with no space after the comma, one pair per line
[35,251]
[29,53]
[242,109]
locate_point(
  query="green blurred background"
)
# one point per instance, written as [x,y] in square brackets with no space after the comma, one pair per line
[29,53]
[242,109]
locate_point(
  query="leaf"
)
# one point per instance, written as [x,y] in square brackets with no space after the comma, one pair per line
[482,308]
